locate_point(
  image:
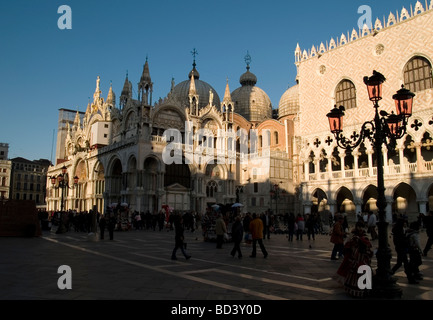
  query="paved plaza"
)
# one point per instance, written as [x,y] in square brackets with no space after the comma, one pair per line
[137,265]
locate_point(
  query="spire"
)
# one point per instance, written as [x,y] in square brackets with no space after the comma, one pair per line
[145,77]
[126,92]
[145,86]
[192,89]
[227,95]
[88,110]
[227,106]
[193,96]
[298,53]
[77,121]
[111,98]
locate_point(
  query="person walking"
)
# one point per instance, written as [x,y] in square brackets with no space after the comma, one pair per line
[415,250]
[337,238]
[357,252]
[428,225]
[266,219]
[310,225]
[256,229]
[300,223]
[111,225]
[220,230]
[179,239]
[401,244]
[102,225]
[291,226]
[237,236]
[371,225]
[246,224]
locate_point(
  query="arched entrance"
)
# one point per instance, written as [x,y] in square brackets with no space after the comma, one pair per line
[320,201]
[345,202]
[115,182]
[369,199]
[405,201]
[150,184]
[99,186]
[80,191]
[177,184]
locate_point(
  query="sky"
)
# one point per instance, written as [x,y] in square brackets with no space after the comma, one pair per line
[44,68]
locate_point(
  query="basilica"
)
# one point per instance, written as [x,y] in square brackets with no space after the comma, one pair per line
[233,150]
[286,159]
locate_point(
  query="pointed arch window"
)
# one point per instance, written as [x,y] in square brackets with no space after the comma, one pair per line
[345,94]
[418,74]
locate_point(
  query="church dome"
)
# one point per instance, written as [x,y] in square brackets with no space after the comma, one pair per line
[250,101]
[289,102]
[181,91]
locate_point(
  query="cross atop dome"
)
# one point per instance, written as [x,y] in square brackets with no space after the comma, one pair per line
[248,60]
[194,53]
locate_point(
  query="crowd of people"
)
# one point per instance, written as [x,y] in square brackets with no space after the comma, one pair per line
[356,249]
[353,245]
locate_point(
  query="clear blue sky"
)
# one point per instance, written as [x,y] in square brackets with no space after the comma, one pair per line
[43,68]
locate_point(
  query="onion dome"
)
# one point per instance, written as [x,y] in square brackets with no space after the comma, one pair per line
[289,102]
[250,101]
[182,90]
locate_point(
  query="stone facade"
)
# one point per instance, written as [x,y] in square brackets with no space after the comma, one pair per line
[127,164]
[334,180]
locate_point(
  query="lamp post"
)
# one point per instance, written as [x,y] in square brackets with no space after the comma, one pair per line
[383,129]
[61,182]
[275,194]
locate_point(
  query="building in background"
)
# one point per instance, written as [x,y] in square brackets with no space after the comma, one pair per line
[5,171]
[29,180]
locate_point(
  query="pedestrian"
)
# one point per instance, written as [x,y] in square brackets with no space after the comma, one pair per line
[415,250]
[428,225]
[102,225]
[310,225]
[371,225]
[256,229]
[401,244]
[337,238]
[300,224]
[266,219]
[291,226]
[237,236]
[179,239]
[246,224]
[220,230]
[357,252]
[111,225]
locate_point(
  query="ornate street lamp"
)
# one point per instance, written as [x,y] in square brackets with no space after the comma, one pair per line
[383,129]
[60,182]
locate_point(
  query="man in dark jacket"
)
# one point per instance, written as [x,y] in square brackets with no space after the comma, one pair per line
[428,224]
[237,235]
[179,239]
